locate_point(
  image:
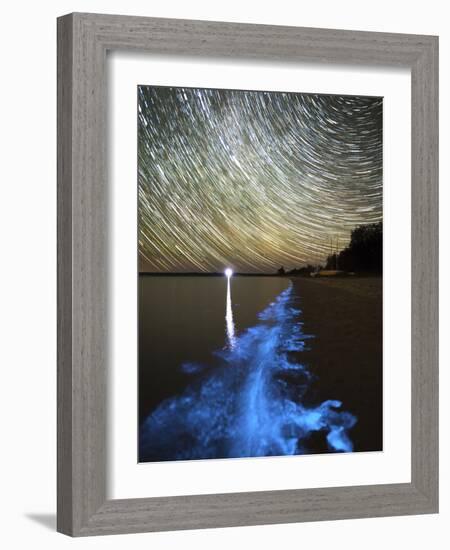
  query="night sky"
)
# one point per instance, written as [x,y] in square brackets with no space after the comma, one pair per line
[253,180]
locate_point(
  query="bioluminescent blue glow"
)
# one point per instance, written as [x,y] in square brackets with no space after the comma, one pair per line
[250,403]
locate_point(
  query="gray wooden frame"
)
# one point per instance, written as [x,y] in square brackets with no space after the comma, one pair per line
[83,40]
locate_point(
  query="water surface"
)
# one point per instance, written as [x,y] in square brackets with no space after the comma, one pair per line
[220,372]
[182,320]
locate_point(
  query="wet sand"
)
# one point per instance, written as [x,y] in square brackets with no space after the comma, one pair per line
[345,316]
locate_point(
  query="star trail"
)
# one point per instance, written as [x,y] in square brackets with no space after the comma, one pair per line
[253,180]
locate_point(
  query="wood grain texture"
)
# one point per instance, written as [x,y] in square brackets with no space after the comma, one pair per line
[424,280]
[64,300]
[83,40]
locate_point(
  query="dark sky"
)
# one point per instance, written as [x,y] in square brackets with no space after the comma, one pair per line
[253,180]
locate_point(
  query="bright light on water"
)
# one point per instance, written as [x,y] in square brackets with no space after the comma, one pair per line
[228,272]
[229,315]
[249,401]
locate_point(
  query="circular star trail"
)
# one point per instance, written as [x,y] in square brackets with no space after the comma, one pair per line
[253,180]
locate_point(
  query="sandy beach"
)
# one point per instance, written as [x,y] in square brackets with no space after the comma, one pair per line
[345,316]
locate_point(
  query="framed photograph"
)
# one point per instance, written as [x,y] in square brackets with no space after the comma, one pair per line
[245,201]
[247,274]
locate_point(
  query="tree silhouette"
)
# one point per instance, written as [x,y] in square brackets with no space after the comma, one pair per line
[364,254]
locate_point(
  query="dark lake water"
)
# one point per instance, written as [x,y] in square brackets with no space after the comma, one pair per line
[182,320]
[219,373]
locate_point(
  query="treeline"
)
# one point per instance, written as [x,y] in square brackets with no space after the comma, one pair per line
[301,271]
[364,254]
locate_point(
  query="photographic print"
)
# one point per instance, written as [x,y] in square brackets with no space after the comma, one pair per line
[260,273]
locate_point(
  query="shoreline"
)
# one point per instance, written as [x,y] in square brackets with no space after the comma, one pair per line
[346,354]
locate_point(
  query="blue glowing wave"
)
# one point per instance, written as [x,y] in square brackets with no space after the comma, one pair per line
[250,404]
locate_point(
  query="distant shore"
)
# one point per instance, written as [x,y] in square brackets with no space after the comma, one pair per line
[287,275]
[346,353]
[198,274]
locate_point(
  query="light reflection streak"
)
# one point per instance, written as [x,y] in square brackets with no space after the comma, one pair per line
[231,337]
